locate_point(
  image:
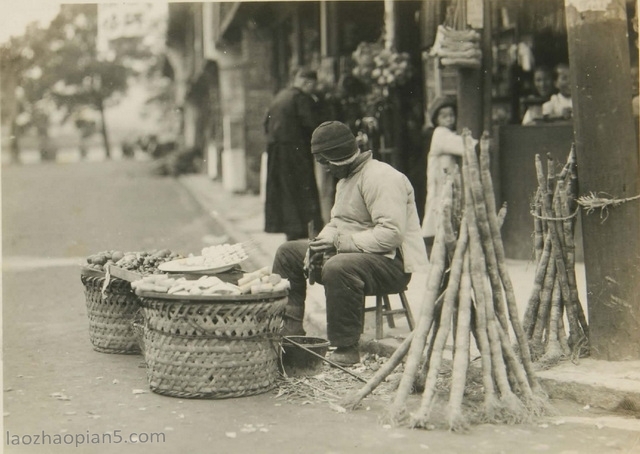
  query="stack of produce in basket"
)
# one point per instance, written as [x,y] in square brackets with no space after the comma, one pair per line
[111,303]
[207,329]
[141,262]
[261,281]
[212,336]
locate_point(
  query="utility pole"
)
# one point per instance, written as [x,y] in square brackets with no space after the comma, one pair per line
[607,154]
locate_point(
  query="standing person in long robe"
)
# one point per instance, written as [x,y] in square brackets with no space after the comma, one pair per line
[291,191]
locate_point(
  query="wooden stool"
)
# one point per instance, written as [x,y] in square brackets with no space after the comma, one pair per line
[383,308]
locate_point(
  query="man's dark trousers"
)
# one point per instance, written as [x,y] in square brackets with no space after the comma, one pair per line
[347,279]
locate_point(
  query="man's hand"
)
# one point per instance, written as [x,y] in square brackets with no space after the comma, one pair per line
[322,245]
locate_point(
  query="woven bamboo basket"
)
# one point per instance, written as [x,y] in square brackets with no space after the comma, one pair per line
[110,314]
[212,347]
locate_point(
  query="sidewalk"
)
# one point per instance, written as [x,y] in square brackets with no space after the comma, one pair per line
[609,385]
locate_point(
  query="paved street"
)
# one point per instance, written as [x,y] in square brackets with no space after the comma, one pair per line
[53,215]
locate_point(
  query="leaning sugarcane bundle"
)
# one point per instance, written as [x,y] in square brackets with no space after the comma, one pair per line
[555,293]
[478,301]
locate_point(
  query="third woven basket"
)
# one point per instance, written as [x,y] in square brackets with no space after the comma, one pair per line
[212,347]
[111,314]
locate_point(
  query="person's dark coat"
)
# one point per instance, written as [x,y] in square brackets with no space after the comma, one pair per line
[291,193]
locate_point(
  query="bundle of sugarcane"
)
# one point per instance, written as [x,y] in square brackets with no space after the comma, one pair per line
[478,299]
[554,291]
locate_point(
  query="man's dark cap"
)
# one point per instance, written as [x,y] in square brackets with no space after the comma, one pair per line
[334,141]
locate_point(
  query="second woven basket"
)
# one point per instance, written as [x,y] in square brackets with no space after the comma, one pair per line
[212,347]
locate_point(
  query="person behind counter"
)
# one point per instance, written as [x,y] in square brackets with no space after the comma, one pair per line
[445,147]
[560,105]
[370,246]
[543,84]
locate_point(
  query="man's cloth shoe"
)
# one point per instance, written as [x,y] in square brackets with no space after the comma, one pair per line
[292,327]
[345,356]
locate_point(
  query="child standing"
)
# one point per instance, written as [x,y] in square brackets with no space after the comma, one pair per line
[560,106]
[444,150]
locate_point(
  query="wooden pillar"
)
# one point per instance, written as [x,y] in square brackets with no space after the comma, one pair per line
[328,29]
[607,156]
[470,100]
[470,80]
[389,24]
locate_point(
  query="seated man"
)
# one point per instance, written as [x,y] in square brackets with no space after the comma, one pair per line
[371,245]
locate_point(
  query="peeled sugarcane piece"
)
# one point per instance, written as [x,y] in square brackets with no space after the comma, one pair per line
[496,238]
[397,410]
[456,419]
[421,417]
[574,328]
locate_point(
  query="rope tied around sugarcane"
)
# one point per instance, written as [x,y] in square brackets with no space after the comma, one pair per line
[595,201]
[552,218]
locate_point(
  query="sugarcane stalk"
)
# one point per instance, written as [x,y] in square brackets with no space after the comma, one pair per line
[562,337]
[570,258]
[554,349]
[421,375]
[397,410]
[421,417]
[533,305]
[461,354]
[559,223]
[456,209]
[499,260]
[543,310]
[502,214]
[561,271]
[352,400]
[483,299]
[572,180]
[471,175]
[538,229]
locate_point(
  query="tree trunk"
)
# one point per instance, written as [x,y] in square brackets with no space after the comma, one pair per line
[103,121]
[607,155]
